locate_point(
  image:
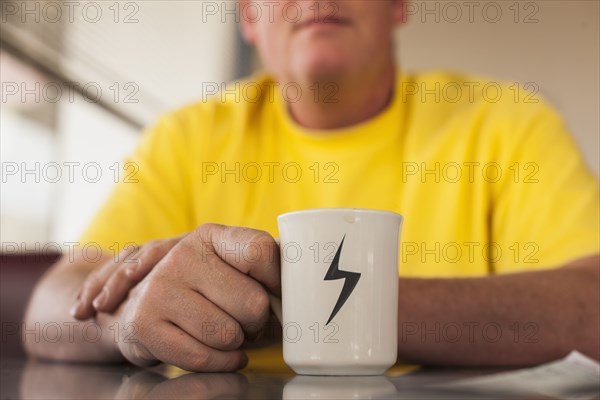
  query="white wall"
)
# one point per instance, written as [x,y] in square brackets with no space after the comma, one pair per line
[95,144]
[167,52]
[162,47]
[560,52]
[26,197]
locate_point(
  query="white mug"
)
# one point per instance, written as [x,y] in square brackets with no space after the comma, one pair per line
[339,277]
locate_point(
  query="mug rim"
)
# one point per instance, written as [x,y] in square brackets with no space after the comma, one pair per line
[340,210]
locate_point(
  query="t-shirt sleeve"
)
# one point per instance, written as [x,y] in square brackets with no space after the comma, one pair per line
[545,212]
[151,200]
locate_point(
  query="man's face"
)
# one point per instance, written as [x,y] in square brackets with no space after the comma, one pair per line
[307,40]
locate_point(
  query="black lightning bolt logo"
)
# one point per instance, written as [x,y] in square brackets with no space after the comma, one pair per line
[351,279]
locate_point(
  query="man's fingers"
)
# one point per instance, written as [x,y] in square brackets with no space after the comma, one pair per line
[114,291]
[172,345]
[250,251]
[206,322]
[131,272]
[239,295]
[93,284]
[149,256]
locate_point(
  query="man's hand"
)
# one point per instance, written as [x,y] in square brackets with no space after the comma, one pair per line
[104,289]
[197,305]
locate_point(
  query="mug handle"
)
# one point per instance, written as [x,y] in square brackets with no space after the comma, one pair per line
[275,302]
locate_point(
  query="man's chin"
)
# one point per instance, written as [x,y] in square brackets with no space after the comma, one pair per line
[323,69]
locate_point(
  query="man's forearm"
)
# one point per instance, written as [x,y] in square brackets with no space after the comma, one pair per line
[516,319]
[50,332]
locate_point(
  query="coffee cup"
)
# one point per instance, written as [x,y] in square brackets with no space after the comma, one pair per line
[339,276]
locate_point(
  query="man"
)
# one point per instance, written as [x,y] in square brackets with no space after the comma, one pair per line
[499,262]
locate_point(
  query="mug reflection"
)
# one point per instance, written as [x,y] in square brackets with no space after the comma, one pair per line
[338,387]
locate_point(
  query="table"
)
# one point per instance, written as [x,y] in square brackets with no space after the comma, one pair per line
[25,378]
[37,379]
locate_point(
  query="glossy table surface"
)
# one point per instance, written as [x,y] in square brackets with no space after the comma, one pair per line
[262,379]
[36,379]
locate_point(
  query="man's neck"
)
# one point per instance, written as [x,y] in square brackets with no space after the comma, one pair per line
[338,104]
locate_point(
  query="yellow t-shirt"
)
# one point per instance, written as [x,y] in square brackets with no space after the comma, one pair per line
[486,175]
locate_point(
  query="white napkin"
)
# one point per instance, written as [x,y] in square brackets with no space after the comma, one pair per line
[574,377]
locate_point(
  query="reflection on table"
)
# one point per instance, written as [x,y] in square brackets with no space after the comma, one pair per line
[36,379]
